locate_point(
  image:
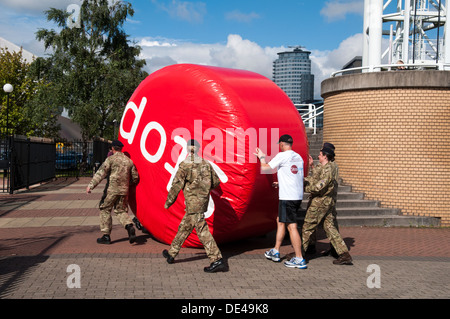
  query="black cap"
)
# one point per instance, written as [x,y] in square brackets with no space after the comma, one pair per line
[286,138]
[328,148]
[117,143]
[328,145]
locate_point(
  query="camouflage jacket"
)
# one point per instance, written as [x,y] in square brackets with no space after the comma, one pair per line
[322,182]
[121,172]
[314,173]
[196,178]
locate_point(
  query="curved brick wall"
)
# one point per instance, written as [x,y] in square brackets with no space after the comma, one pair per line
[392,136]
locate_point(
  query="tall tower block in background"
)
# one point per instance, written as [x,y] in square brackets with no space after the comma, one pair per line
[292,73]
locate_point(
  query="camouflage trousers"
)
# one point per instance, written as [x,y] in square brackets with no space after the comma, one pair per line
[120,205]
[326,212]
[187,225]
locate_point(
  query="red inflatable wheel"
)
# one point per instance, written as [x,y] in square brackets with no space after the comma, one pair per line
[230,112]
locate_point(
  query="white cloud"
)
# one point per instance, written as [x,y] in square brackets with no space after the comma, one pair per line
[337,9]
[184,10]
[156,43]
[326,62]
[239,53]
[173,52]
[244,54]
[238,16]
[330,61]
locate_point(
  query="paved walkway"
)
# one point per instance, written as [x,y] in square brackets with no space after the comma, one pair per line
[48,237]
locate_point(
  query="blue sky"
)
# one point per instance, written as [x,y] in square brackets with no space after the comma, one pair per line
[244,34]
[312,24]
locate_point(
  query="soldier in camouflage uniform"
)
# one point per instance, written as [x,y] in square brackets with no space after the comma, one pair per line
[322,186]
[314,173]
[121,172]
[196,178]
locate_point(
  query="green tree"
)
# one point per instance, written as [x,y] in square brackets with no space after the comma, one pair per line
[24,117]
[93,67]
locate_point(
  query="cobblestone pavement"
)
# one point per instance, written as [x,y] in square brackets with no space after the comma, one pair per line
[48,250]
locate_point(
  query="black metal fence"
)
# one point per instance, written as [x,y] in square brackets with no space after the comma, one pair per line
[78,158]
[24,162]
[31,162]
[4,164]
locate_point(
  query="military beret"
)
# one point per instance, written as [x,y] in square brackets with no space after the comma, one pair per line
[328,145]
[117,143]
[328,149]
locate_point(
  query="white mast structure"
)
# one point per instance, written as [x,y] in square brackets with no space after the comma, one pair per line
[417,29]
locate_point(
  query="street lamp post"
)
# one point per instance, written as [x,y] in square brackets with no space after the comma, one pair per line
[8,88]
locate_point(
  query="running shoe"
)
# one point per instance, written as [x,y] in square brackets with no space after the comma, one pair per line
[296,263]
[272,255]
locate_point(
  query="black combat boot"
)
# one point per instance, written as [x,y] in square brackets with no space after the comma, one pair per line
[105,239]
[167,256]
[215,266]
[131,233]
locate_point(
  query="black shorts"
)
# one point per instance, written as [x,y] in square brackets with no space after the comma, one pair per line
[287,210]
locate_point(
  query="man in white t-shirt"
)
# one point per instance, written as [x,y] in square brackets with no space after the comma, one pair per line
[289,167]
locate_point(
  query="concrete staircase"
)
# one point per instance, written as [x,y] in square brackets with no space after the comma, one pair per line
[315,142]
[354,210]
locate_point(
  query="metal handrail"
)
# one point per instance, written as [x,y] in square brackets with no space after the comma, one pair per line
[377,68]
[313,111]
[311,116]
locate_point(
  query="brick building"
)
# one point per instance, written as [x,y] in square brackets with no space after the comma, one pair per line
[392,136]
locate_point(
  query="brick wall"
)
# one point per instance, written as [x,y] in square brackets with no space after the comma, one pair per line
[393,144]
